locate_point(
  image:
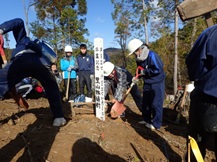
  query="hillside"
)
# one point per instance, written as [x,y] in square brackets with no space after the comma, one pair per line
[29,136]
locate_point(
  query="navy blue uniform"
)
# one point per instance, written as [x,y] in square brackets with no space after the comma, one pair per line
[85,69]
[202,69]
[27,63]
[153,89]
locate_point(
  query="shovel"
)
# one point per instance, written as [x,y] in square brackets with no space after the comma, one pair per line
[118,108]
[67,88]
[20,101]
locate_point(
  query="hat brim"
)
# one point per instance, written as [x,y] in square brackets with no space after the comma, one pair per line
[130,53]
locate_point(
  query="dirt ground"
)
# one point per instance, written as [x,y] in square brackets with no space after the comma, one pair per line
[30,137]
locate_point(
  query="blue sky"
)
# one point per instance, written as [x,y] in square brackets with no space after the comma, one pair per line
[99,20]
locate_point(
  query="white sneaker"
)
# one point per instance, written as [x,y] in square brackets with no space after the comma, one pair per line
[150,126]
[71,101]
[88,99]
[142,122]
[59,122]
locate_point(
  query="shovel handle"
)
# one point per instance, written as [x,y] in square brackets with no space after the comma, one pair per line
[132,84]
[139,68]
[67,88]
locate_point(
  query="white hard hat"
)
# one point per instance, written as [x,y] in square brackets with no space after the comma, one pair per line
[68,48]
[133,45]
[108,67]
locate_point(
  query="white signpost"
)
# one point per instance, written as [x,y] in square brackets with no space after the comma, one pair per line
[99,78]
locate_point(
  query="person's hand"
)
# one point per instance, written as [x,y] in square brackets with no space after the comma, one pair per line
[113,100]
[5,63]
[69,69]
[72,67]
[135,80]
[142,72]
[91,76]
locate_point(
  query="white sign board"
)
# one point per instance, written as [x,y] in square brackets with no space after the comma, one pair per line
[99,78]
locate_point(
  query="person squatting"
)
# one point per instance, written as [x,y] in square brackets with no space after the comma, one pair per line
[119,79]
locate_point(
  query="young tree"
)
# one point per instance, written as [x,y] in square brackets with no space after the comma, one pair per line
[121,19]
[60,22]
[26,11]
[130,19]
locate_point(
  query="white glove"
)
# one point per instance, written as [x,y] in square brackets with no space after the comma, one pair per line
[5,63]
[1,31]
[91,76]
[69,69]
[72,67]
[142,72]
[135,80]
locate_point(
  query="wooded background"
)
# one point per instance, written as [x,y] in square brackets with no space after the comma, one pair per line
[157,23]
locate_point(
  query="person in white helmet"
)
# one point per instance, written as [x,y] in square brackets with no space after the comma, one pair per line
[154,79]
[120,79]
[69,66]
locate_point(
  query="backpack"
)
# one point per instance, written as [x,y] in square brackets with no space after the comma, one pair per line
[80,98]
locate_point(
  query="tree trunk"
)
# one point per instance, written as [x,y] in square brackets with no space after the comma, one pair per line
[145,25]
[193,32]
[176,50]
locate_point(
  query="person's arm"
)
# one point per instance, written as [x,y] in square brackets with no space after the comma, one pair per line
[58,78]
[196,58]
[64,64]
[121,84]
[92,65]
[76,64]
[154,65]
[107,85]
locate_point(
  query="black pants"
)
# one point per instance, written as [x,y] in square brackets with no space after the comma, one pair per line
[27,65]
[72,88]
[203,121]
[84,80]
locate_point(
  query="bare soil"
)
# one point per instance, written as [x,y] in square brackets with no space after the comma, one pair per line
[28,136]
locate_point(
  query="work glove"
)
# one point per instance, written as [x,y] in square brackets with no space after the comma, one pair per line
[69,69]
[72,67]
[5,63]
[91,76]
[135,80]
[142,72]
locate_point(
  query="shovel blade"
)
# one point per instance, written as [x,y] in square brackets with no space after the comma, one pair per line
[117,109]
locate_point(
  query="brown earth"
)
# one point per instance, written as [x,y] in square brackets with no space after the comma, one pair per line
[30,137]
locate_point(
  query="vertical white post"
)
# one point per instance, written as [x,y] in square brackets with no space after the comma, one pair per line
[99,78]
